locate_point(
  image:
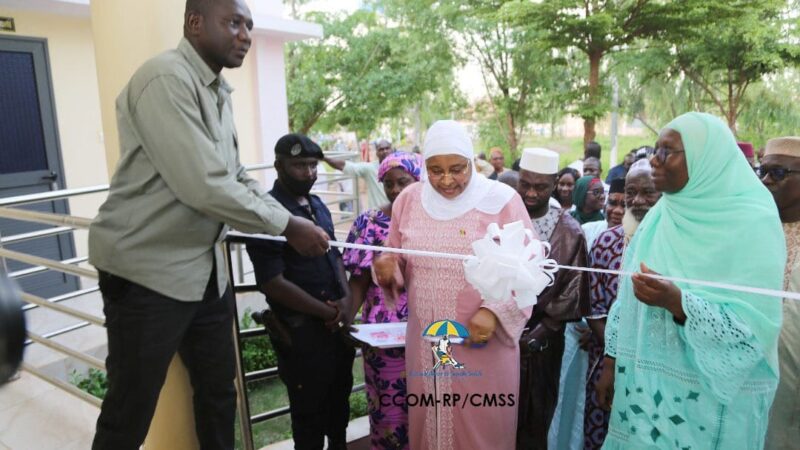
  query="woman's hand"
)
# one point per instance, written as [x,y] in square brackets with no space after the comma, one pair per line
[481,326]
[386,271]
[660,293]
[605,385]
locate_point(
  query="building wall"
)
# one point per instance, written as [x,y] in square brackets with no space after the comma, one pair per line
[72,67]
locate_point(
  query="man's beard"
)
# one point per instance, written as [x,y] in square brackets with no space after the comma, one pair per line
[629,224]
[538,211]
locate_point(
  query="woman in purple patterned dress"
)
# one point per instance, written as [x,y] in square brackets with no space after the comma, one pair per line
[605,254]
[384,369]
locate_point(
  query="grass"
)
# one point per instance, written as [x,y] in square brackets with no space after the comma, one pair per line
[266,395]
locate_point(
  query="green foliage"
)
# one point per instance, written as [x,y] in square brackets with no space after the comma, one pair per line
[771,109]
[366,69]
[724,57]
[524,79]
[358,405]
[650,92]
[392,63]
[94,382]
[257,352]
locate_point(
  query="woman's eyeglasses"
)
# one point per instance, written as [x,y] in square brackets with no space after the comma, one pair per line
[776,173]
[662,154]
[599,192]
[457,173]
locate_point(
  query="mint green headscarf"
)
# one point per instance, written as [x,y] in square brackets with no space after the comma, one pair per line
[722,226]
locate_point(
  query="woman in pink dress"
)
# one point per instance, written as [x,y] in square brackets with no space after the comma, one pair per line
[384,369]
[471,405]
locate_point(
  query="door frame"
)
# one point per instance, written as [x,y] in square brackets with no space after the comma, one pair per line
[38,48]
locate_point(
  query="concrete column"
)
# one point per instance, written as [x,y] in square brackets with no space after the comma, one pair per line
[273,116]
[127,33]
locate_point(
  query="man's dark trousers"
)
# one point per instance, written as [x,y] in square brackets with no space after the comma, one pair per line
[317,370]
[145,329]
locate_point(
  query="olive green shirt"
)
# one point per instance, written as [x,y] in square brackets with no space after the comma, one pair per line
[368,171]
[179,183]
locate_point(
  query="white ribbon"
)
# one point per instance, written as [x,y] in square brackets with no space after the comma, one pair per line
[547,265]
[505,267]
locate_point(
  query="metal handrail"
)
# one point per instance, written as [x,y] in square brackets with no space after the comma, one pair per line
[36,300]
[34,235]
[63,385]
[66,193]
[67,296]
[61,331]
[56,265]
[66,224]
[90,360]
[45,218]
[51,195]
[39,269]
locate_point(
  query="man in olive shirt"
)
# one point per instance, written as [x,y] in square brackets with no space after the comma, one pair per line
[177,188]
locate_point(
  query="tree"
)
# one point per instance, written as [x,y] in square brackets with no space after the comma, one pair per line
[771,109]
[364,70]
[596,28]
[519,75]
[650,91]
[725,57]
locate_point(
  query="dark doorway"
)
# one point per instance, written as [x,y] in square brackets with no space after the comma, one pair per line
[30,157]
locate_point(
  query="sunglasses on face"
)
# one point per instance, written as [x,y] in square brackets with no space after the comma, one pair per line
[776,173]
[662,154]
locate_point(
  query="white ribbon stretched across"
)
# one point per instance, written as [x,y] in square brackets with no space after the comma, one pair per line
[547,264]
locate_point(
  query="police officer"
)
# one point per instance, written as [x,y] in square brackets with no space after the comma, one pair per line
[311,298]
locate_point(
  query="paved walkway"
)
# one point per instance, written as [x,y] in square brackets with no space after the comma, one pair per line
[35,415]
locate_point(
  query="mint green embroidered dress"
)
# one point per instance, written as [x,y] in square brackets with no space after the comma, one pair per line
[707,384]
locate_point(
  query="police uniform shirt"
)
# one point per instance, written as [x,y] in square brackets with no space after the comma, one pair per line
[317,275]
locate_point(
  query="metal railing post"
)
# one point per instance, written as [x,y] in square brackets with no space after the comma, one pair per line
[3,264]
[242,401]
[239,265]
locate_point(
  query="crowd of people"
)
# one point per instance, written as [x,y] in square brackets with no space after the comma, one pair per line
[612,354]
[602,360]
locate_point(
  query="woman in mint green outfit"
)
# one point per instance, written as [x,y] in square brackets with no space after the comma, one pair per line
[687,366]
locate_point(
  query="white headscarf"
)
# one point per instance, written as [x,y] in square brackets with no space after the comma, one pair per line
[448,137]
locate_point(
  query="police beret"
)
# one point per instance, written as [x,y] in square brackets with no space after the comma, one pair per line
[295,145]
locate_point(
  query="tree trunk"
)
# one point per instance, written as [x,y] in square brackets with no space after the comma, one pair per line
[588,131]
[511,136]
[594,88]
[730,114]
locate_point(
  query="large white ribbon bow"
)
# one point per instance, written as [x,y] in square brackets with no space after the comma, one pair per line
[505,267]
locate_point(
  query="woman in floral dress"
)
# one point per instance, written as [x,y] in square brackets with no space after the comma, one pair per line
[384,369]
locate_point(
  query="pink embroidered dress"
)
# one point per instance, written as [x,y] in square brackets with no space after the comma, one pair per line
[474,407]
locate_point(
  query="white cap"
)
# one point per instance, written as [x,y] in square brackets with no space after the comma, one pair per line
[539,160]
